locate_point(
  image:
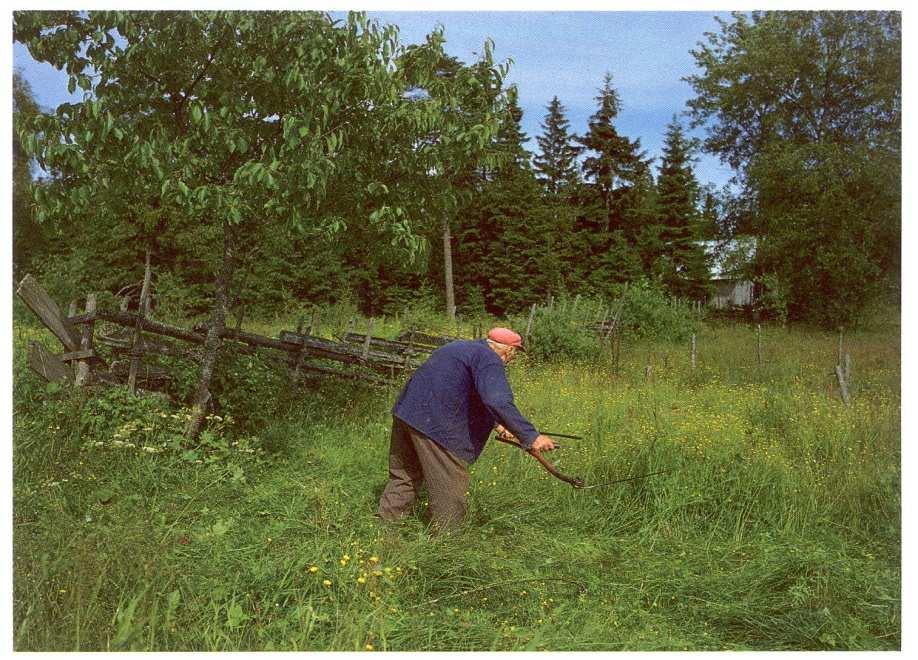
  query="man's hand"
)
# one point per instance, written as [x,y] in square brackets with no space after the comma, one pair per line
[504,434]
[543,443]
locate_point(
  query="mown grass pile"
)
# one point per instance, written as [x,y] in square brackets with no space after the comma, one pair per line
[776,527]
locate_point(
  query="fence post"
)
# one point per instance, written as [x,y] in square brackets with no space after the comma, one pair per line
[842,384]
[693,351]
[366,341]
[841,337]
[298,356]
[532,311]
[143,307]
[82,367]
[758,344]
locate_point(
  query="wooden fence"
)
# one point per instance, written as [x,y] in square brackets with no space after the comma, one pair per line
[137,336]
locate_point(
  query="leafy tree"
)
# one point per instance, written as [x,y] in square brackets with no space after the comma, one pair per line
[30,239]
[201,130]
[556,164]
[467,101]
[806,106]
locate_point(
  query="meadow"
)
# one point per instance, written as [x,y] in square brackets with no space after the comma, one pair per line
[776,527]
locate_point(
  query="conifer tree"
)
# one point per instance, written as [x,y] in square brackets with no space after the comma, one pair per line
[680,218]
[615,172]
[511,138]
[508,249]
[556,164]
[615,160]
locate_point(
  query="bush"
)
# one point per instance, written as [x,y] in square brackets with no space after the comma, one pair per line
[772,301]
[562,332]
[648,312]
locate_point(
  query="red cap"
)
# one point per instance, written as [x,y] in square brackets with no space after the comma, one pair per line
[506,336]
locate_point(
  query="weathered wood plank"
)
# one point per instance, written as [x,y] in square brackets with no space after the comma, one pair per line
[130,319]
[42,305]
[424,339]
[47,365]
[82,354]
[399,347]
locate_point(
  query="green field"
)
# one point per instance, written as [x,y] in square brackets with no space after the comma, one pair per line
[777,528]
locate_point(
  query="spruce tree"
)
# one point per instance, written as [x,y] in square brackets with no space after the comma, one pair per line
[511,138]
[508,247]
[556,164]
[615,170]
[615,161]
[680,218]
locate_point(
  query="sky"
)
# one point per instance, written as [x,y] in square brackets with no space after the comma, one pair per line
[553,53]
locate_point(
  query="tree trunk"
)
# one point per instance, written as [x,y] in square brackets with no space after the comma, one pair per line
[213,341]
[448,270]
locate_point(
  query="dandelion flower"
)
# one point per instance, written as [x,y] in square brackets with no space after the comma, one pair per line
[327,583]
[368,647]
[313,569]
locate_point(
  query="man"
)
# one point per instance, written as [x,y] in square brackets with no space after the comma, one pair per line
[443,418]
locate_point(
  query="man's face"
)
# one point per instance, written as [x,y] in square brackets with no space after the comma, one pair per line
[509,354]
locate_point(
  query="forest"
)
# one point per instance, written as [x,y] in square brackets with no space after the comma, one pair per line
[322,199]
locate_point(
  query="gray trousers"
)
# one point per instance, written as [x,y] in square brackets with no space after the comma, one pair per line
[415,459]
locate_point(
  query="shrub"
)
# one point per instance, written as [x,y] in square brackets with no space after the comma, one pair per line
[562,332]
[648,312]
[772,301]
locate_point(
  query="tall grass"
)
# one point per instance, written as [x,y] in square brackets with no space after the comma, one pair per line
[777,526]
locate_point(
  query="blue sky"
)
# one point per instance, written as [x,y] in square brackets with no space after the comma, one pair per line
[567,54]
[554,53]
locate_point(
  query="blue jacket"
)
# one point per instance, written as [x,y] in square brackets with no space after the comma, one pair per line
[458,395]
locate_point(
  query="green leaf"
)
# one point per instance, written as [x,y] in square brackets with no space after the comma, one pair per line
[196,113]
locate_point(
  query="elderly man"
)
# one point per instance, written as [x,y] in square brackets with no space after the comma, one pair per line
[443,418]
